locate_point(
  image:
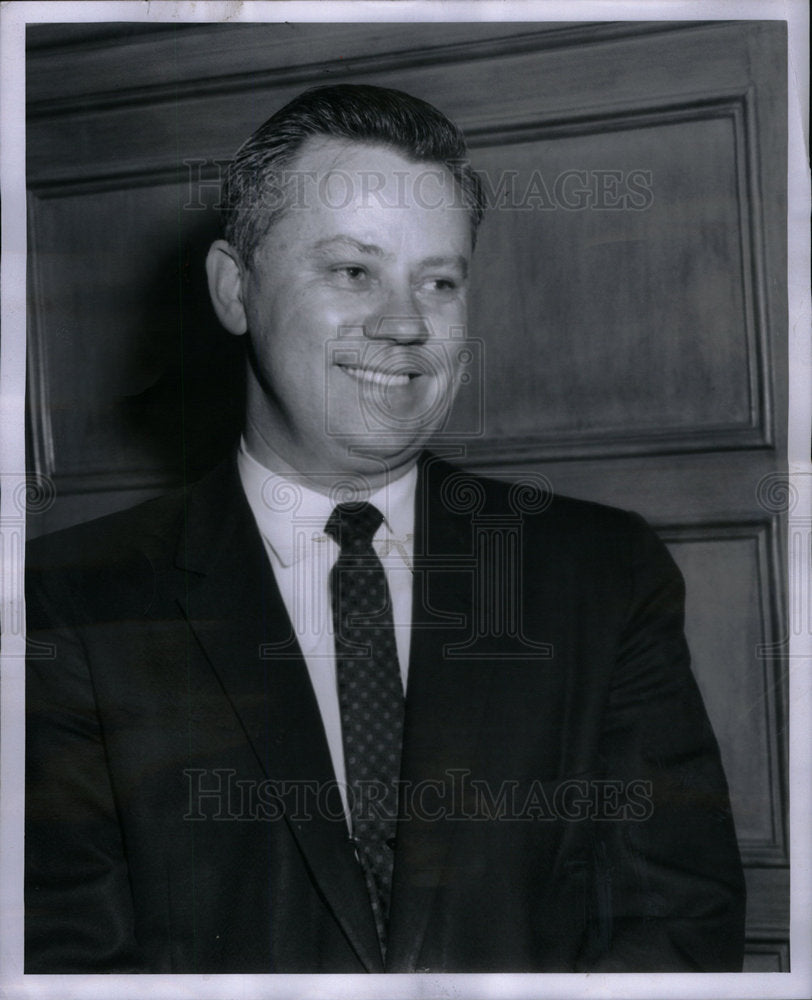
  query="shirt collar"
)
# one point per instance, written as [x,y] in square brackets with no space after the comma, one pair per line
[282,503]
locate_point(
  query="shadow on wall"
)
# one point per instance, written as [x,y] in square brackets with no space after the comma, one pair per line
[188,414]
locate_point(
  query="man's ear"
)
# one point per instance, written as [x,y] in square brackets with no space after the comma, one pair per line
[225,275]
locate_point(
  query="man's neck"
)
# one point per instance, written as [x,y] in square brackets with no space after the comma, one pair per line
[360,484]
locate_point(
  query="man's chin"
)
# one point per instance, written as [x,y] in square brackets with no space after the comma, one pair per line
[367,454]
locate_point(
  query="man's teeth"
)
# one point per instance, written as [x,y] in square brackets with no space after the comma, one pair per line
[378,378]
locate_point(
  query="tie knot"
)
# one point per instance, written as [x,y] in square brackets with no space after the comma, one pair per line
[353,524]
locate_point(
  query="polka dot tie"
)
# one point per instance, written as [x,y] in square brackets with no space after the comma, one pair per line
[370,694]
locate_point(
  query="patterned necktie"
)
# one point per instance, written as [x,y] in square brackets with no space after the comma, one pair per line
[370,694]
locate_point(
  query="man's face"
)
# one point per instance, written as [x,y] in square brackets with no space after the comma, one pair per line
[355,304]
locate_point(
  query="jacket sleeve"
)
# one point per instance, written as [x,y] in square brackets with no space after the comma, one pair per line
[668,893]
[78,904]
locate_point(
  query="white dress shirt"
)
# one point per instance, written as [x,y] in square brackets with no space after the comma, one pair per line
[291,518]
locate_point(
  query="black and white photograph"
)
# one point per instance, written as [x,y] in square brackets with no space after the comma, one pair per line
[410,530]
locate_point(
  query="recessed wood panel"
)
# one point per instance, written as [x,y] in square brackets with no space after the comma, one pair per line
[767,956]
[139,378]
[613,267]
[728,620]
[767,903]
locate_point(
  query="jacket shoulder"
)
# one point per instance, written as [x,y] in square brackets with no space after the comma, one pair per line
[530,496]
[107,569]
[146,529]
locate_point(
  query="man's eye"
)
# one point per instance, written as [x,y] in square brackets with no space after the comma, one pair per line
[442,285]
[351,273]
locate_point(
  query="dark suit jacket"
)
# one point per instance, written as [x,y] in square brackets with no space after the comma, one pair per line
[564,807]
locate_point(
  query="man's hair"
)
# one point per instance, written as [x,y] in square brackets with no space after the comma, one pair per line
[253,193]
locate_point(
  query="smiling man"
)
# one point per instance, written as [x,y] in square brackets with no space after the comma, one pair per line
[340,706]
[348,303]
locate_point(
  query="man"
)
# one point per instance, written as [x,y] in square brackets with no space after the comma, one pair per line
[224,774]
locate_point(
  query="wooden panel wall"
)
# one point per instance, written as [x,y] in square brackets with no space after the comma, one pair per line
[628,316]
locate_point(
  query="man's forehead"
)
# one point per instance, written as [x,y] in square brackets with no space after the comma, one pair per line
[365,197]
[336,166]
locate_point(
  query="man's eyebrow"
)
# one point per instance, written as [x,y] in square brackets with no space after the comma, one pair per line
[340,240]
[454,260]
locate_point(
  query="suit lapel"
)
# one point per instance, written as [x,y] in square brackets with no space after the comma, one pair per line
[234,608]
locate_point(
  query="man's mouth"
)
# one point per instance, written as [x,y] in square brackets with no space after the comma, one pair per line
[375,376]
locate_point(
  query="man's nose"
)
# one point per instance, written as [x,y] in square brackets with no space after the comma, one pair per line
[398,319]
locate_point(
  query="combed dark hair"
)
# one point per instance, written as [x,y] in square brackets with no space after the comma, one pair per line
[251,198]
